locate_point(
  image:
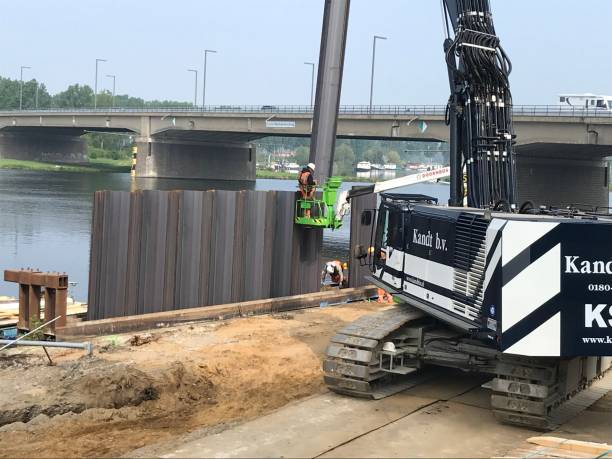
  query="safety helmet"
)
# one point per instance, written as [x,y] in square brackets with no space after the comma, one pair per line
[312,166]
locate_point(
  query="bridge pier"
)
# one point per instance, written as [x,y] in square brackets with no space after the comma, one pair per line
[563,175]
[43,144]
[187,159]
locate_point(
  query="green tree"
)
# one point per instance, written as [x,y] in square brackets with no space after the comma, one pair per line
[9,93]
[344,161]
[393,157]
[374,155]
[302,155]
[76,96]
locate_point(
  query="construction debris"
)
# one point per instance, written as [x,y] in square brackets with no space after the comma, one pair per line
[141,340]
[554,447]
[33,284]
[228,311]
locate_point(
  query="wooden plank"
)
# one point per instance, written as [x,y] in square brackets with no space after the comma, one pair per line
[583,447]
[154,320]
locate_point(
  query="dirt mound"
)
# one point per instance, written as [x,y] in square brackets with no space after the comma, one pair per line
[114,385]
[182,379]
[74,388]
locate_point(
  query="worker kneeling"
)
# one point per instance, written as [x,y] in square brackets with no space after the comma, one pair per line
[335,271]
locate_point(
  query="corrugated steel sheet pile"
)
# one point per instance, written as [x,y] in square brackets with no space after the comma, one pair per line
[155,251]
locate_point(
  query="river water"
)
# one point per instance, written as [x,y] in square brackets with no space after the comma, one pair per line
[45,218]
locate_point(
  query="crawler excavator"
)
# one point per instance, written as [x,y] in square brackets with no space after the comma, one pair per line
[484,284]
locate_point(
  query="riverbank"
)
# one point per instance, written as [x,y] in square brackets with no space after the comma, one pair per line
[93,165]
[273,175]
[98,165]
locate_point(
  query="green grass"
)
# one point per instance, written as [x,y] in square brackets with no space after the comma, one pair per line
[264,174]
[93,166]
[112,165]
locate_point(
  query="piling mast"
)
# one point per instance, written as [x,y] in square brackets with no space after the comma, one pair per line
[329,86]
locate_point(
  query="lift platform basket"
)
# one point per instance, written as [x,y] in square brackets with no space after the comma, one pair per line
[319,213]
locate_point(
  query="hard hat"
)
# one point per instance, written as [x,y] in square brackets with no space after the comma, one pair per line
[330,268]
[312,166]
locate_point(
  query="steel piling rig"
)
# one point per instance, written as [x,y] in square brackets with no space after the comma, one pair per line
[388,352]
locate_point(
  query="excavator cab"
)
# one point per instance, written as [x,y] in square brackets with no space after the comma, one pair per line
[319,213]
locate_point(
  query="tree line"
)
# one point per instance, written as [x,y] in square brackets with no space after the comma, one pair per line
[349,152]
[36,95]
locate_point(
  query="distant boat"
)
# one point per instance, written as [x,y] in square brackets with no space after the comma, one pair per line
[378,167]
[364,166]
[390,167]
[293,168]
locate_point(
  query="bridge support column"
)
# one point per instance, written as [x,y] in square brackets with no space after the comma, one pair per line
[48,145]
[195,160]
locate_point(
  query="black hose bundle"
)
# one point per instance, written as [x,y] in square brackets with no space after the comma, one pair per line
[481,102]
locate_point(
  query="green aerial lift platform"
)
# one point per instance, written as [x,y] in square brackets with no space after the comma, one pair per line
[322,214]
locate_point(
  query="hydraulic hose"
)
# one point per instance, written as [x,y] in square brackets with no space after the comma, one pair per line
[483,103]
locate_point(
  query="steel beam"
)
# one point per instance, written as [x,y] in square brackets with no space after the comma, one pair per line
[329,86]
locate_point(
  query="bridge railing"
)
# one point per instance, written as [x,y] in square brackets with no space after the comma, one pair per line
[405,110]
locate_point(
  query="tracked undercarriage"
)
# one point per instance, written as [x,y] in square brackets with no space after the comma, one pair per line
[540,393]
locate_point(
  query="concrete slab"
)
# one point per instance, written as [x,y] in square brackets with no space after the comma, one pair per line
[445,429]
[302,430]
[448,385]
[416,423]
[593,426]
[478,397]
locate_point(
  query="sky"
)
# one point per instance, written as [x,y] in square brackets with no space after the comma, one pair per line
[262,45]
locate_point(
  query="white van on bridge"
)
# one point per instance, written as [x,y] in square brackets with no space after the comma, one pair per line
[588,101]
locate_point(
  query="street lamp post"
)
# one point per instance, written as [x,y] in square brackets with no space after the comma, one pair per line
[195,92]
[312,82]
[36,98]
[96,83]
[23,67]
[376,37]
[206,52]
[114,77]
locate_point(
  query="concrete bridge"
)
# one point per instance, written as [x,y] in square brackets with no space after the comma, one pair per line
[215,142]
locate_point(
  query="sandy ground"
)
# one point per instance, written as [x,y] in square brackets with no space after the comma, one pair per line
[447,417]
[129,395]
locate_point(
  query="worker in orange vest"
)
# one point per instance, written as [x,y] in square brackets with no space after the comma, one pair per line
[385,297]
[335,270]
[307,185]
